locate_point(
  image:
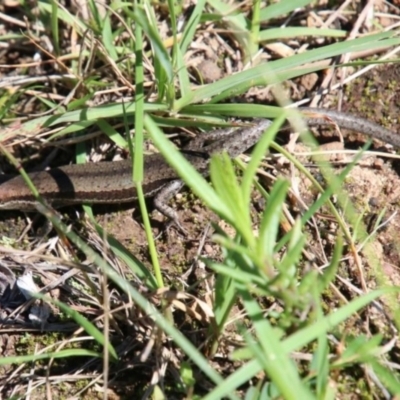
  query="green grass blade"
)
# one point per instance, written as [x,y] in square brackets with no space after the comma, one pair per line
[277,10]
[140,270]
[107,38]
[273,358]
[159,51]
[288,33]
[191,26]
[277,71]
[306,335]
[258,154]
[270,223]
[229,191]
[57,354]
[84,323]
[55,27]
[185,170]
[238,27]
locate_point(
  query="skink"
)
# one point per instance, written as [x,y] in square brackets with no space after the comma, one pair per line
[111,182]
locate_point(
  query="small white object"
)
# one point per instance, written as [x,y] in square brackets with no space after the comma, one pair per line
[40,311]
[37,57]
[27,286]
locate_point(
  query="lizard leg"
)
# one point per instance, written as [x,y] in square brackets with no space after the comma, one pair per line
[162,198]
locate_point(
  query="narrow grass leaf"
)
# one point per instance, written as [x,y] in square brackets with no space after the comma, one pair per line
[7,100]
[359,349]
[253,393]
[140,270]
[50,104]
[334,181]
[258,353]
[244,110]
[159,50]
[112,134]
[137,171]
[227,187]
[319,202]
[234,246]
[162,78]
[320,367]
[387,377]
[270,221]
[281,8]
[375,41]
[231,383]
[225,297]
[265,80]
[55,27]
[83,322]
[278,68]
[183,74]
[161,81]
[238,27]
[64,15]
[96,22]
[80,103]
[306,335]
[185,170]
[45,356]
[320,362]
[258,154]
[231,14]
[255,21]
[173,7]
[330,271]
[75,127]
[277,363]
[294,32]
[149,235]
[111,110]
[237,274]
[81,154]
[192,25]
[108,38]
[288,265]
